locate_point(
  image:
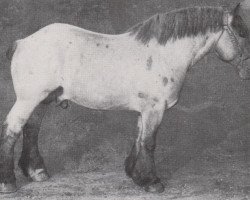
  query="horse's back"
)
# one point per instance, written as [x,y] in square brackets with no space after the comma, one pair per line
[59,31]
[49,44]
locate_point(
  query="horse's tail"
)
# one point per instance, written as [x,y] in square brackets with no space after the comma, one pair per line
[11,50]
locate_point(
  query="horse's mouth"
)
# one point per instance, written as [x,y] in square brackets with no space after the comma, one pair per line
[244,69]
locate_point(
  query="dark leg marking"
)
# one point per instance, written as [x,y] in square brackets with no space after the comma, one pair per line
[149,63]
[140,165]
[31,162]
[7,176]
[172,80]
[130,161]
[107,46]
[165,81]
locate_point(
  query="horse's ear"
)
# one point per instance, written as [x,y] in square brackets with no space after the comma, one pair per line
[236,10]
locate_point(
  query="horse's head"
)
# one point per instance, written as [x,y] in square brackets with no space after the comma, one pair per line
[234,37]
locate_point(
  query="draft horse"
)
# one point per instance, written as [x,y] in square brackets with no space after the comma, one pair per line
[142,70]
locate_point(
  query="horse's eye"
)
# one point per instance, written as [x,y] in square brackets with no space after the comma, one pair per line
[241,34]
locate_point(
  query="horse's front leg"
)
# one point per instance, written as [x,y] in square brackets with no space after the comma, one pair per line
[140,165]
[11,130]
[31,162]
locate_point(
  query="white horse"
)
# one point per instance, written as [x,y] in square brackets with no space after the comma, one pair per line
[142,70]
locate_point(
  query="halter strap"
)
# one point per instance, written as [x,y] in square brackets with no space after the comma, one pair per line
[226,27]
[225,18]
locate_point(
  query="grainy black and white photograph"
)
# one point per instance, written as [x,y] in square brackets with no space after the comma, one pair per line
[125,99]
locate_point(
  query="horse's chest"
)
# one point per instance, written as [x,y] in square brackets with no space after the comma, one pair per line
[171,86]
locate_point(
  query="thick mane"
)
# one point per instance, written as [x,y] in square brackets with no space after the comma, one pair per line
[178,24]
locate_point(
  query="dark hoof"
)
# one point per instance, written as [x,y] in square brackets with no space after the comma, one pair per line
[38,175]
[129,165]
[8,187]
[155,188]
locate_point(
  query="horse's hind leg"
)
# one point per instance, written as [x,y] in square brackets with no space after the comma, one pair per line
[140,165]
[31,162]
[11,130]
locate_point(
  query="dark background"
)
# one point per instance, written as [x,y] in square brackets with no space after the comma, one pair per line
[201,136]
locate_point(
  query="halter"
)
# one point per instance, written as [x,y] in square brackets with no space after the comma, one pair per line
[226,27]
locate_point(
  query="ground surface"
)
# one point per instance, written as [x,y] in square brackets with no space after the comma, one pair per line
[203,143]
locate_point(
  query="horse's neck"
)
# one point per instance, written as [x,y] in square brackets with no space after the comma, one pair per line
[185,52]
[203,46]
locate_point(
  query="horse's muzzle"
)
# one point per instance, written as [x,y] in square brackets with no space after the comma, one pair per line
[244,69]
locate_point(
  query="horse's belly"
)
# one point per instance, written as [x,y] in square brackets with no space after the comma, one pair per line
[95,101]
[103,84]
[97,95]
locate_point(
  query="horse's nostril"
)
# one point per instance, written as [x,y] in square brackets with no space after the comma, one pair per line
[244,73]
